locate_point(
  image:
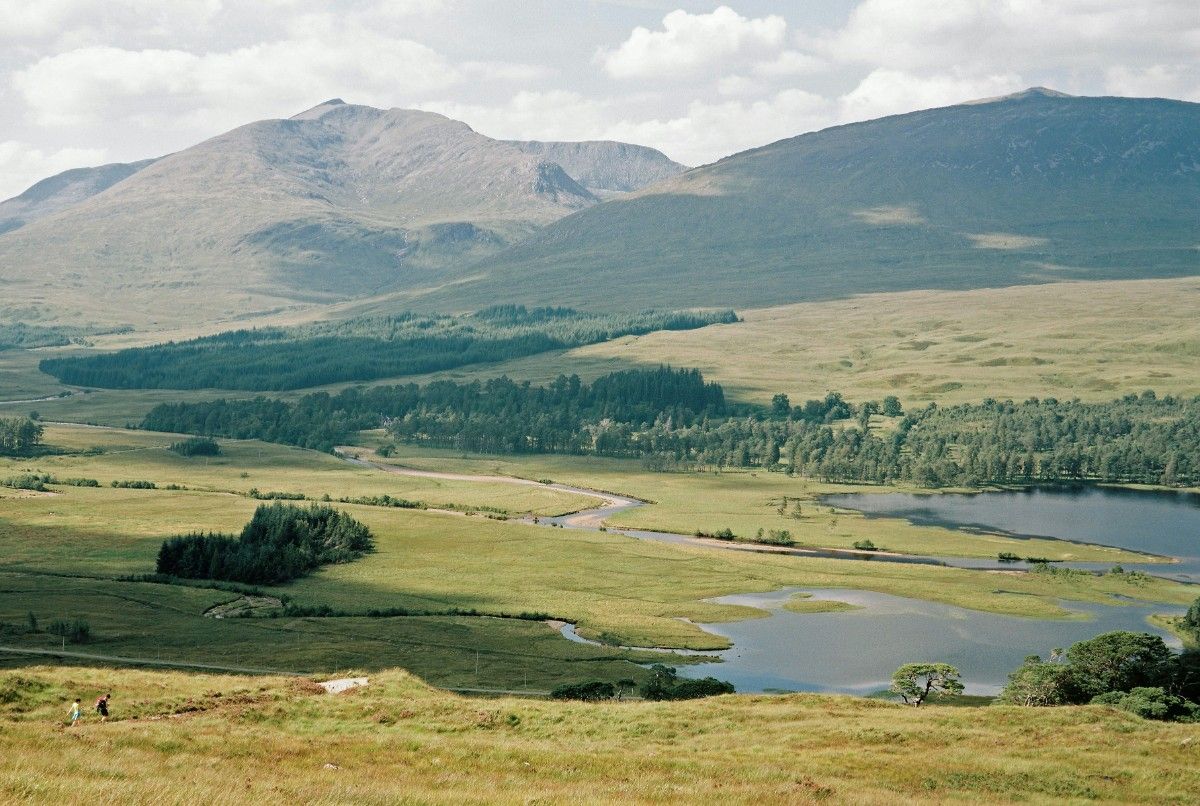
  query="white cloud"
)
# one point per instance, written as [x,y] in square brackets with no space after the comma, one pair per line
[986,35]
[172,87]
[1158,80]
[707,131]
[73,20]
[738,86]
[22,164]
[790,63]
[689,42]
[889,92]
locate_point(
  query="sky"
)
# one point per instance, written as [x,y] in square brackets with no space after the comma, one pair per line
[86,82]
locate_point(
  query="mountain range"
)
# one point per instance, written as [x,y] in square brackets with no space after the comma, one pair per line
[336,202]
[401,208]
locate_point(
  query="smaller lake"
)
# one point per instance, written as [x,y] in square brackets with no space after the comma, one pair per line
[1164,523]
[856,651]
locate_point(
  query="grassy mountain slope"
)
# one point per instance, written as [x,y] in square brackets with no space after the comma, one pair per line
[178,737]
[338,201]
[1027,188]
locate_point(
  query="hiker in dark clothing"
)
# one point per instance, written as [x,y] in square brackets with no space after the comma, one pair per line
[102,707]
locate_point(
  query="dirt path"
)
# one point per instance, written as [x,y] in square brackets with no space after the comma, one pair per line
[612,503]
[611,500]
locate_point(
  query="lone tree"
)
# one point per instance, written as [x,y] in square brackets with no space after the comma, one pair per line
[914,682]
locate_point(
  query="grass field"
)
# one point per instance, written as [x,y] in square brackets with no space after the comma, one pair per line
[182,738]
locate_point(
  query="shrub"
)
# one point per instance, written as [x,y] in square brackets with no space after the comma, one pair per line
[664,683]
[28,481]
[1151,703]
[274,495]
[777,537]
[1008,557]
[589,692]
[864,545]
[77,482]
[723,534]
[135,484]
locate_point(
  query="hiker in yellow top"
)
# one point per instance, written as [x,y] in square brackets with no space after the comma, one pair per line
[76,712]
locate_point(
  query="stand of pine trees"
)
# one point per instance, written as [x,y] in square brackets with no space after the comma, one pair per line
[281,542]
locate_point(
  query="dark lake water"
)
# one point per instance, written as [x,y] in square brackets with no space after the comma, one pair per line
[1162,523]
[856,651]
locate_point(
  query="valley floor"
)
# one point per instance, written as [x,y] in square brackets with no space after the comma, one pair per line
[446,574]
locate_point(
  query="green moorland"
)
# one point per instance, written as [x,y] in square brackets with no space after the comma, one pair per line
[83,542]
[1094,340]
[179,738]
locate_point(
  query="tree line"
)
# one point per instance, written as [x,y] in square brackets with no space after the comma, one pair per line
[500,413]
[674,419]
[281,542]
[20,436]
[364,349]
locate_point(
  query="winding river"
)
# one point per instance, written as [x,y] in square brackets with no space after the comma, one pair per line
[855,651]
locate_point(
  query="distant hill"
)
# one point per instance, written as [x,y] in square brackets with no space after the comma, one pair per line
[336,202]
[604,166]
[1032,187]
[63,190]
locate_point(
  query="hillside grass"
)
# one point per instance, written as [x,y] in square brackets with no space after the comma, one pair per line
[249,464]
[180,738]
[148,624]
[1092,340]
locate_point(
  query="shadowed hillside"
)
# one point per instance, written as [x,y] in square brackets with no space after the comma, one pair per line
[1028,188]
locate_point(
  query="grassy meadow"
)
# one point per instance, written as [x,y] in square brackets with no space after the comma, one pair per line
[179,738]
